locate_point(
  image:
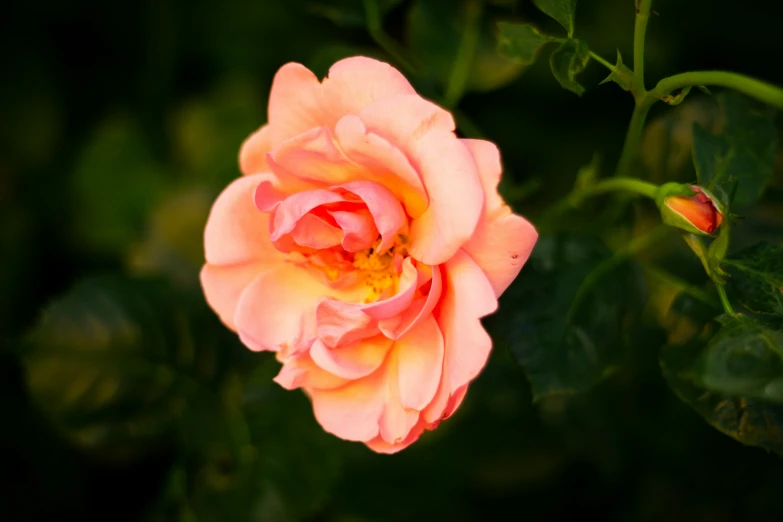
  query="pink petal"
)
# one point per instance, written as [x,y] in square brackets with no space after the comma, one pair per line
[340,322]
[236,231]
[351,361]
[294,207]
[420,362]
[223,285]
[397,421]
[419,309]
[252,153]
[384,207]
[456,197]
[487,157]
[314,157]
[405,119]
[352,412]
[358,229]
[501,245]
[379,445]
[277,310]
[467,296]
[354,83]
[383,163]
[300,371]
[313,232]
[296,104]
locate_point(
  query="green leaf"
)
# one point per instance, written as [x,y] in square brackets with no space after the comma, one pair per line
[743,151]
[440,33]
[757,277]
[621,75]
[571,301]
[521,41]
[255,454]
[563,11]
[115,183]
[114,361]
[733,380]
[567,61]
[745,358]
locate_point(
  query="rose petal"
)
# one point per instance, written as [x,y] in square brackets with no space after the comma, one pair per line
[420,363]
[223,286]
[252,153]
[384,207]
[456,197]
[277,310]
[379,445]
[299,371]
[236,231]
[296,104]
[405,119]
[501,246]
[396,421]
[340,323]
[358,229]
[419,309]
[352,412]
[467,296]
[293,208]
[487,157]
[383,163]
[354,83]
[354,360]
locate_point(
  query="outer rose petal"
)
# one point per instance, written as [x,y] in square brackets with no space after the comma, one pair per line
[467,297]
[352,361]
[236,232]
[420,362]
[295,104]
[354,83]
[277,310]
[252,153]
[456,197]
[502,241]
[223,285]
[299,371]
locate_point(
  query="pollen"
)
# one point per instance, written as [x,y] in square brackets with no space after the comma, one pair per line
[380,271]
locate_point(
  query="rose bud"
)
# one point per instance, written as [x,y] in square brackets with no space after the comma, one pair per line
[689,208]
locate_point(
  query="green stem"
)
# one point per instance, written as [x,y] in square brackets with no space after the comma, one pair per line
[680,284]
[384,41]
[460,71]
[632,138]
[639,33]
[758,89]
[598,58]
[724,299]
[573,199]
[637,245]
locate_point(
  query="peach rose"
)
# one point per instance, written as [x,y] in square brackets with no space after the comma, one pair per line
[362,245]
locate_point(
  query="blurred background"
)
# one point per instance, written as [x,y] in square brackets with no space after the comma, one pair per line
[122,122]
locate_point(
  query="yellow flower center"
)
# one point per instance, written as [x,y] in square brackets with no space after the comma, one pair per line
[380,271]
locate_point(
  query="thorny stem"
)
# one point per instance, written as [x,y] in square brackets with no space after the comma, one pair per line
[724,299]
[639,33]
[465,53]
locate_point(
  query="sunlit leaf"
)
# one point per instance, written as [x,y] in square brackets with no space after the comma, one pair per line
[567,61]
[570,302]
[563,11]
[757,277]
[521,41]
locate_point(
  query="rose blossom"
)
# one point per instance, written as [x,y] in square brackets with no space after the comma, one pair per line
[363,244]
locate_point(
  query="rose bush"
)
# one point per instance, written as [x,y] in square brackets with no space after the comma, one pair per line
[363,245]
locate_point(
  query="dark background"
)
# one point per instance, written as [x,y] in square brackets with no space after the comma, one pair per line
[122,121]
